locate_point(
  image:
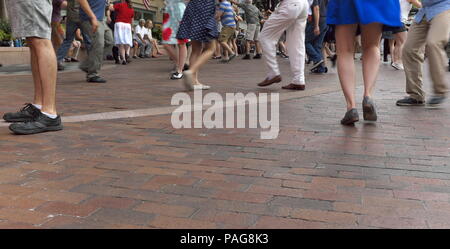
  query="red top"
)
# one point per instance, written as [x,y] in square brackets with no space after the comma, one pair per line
[123,13]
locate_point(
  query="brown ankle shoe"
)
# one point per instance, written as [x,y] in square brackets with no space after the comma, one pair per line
[294,87]
[268,82]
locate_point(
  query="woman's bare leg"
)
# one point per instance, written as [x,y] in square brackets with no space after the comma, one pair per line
[345,48]
[199,57]
[182,54]
[371,35]
[171,52]
[400,39]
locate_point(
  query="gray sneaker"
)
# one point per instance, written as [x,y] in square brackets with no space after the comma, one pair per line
[351,117]
[26,114]
[369,112]
[40,124]
[436,100]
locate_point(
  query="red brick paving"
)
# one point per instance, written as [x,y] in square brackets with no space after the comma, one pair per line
[142,173]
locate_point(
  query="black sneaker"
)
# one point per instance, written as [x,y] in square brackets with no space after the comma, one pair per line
[283,55]
[319,70]
[257,56]
[27,113]
[176,76]
[96,79]
[246,57]
[408,101]
[42,123]
[185,67]
[351,117]
[317,64]
[369,111]
[436,100]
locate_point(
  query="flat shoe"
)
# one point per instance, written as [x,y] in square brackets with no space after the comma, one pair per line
[294,87]
[268,82]
[369,112]
[351,117]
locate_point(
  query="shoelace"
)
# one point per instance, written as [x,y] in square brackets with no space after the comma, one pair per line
[26,107]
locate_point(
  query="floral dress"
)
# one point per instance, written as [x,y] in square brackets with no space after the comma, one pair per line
[173,13]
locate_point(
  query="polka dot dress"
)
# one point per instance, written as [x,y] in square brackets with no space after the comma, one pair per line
[198,22]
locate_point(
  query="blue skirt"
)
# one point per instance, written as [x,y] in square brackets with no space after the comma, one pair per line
[386,12]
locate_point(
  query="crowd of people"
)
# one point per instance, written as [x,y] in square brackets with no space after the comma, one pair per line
[302,31]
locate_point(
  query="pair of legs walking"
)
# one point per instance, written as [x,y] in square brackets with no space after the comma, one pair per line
[178,57]
[345,47]
[431,37]
[290,16]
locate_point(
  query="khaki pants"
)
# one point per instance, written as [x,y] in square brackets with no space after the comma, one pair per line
[109,40]
[432,35]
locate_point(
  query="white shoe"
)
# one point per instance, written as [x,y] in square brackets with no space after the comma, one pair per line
[397,66]
[201,87]
[188,81]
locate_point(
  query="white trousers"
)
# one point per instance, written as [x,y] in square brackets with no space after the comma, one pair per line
[291,16]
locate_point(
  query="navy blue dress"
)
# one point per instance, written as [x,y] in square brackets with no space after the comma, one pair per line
[198,23]
[386,12]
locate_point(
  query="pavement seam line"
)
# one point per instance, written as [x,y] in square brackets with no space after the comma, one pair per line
[156,111]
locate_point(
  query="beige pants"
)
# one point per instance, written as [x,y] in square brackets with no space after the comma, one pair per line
[432,35]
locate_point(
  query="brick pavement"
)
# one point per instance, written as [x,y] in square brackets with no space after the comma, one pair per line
[142,173]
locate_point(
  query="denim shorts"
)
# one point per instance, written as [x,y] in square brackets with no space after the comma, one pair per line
[30,18]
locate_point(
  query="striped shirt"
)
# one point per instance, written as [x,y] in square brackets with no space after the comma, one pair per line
[227,18]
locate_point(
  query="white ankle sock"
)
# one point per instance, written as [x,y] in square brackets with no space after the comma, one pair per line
[52,116]
[37,106]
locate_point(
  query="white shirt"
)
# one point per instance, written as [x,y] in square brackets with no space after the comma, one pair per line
[309,9]
[405,8]
[140,30]
[149,33]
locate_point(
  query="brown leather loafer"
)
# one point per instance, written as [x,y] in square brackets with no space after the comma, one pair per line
[294,87]
[268,82]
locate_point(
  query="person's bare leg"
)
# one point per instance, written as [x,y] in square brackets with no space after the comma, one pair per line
[247,47]
[227,49]
[201,58]
[400,39]
[195,53]
[188,56]
[258,47]
[35,73]
[171,52]
[127,49]
[392,50]
[371,35]
[182,54]
[155,45]
[345,48]
[46,61]
[154,52]
[122,51]
[283,48]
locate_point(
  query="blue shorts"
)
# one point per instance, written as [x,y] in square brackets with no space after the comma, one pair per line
[386,12]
